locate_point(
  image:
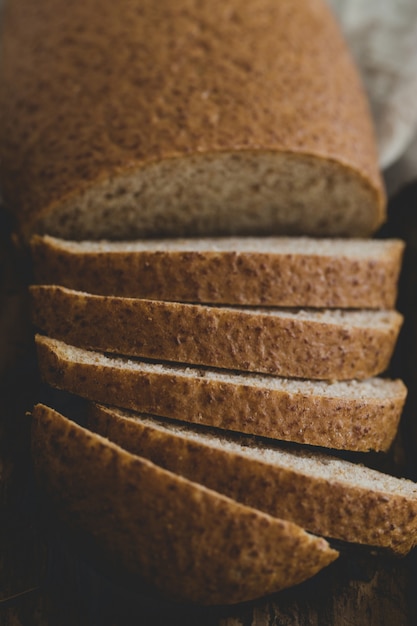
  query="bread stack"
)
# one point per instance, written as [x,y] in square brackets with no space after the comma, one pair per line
[224,123]
[242,358]
[191,380]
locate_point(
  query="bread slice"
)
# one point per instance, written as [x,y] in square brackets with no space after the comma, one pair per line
[351,415]
[269,271]
[325,495]
[329,344]
[191,542]
[211,118]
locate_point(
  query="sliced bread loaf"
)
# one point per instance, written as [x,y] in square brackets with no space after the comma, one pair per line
[329,344]
[269,271]
[346,415]
[325,495]
[238,117]
[192,543]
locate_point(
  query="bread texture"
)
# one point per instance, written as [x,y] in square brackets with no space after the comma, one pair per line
[184,118]
[267,271]
[329,344]
[192,543]
[357,416]
[325,495]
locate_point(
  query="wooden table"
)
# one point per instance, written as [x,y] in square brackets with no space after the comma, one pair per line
[46,580]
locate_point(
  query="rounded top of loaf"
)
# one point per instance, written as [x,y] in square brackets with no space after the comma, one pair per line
[126,119]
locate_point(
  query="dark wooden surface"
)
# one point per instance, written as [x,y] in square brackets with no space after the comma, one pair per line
[47,579]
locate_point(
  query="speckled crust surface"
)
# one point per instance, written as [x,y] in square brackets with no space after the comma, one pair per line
[361,424]
[280,278]
[190,542]
[249,340]
[327,507]
[93,92]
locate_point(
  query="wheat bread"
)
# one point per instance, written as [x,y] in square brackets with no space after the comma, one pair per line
[268,271]
[192,543]
[323,344]
[325,495]
[184,118]
[352,415]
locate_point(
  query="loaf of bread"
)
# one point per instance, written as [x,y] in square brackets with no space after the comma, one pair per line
[327,496]
[169,118]
[330,344]
[352,415]
[200,119]
[265,271]
[188,541]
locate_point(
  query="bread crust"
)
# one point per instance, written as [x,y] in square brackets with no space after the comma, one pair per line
[207,273]
[347,511]
[190,542]
[362,424]
[249,340]
[93,99]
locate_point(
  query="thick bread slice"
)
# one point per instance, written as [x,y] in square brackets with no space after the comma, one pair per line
[353,415]
[270,271]
[211,118]
[190,542]
[330,344]
[325,495]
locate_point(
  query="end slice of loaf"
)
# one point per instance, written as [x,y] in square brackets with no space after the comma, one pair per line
[270,271]
[328,344]
[325,495]
[353,415]
[192,543]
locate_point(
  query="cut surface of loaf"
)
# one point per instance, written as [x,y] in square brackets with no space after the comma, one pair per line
[325,495]
[324,344]
[351,415]
[166,135]
[269,271]
[190,542]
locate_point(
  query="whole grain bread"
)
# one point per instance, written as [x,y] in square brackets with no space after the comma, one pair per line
[352,415]
[268,271]
[192,543]
[329,344]
[325,495]
[176,117]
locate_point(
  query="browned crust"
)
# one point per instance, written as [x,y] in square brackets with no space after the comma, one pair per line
[192,543]
[77,108]
[215,336]
[324,507]
[240,277]
[342,423]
